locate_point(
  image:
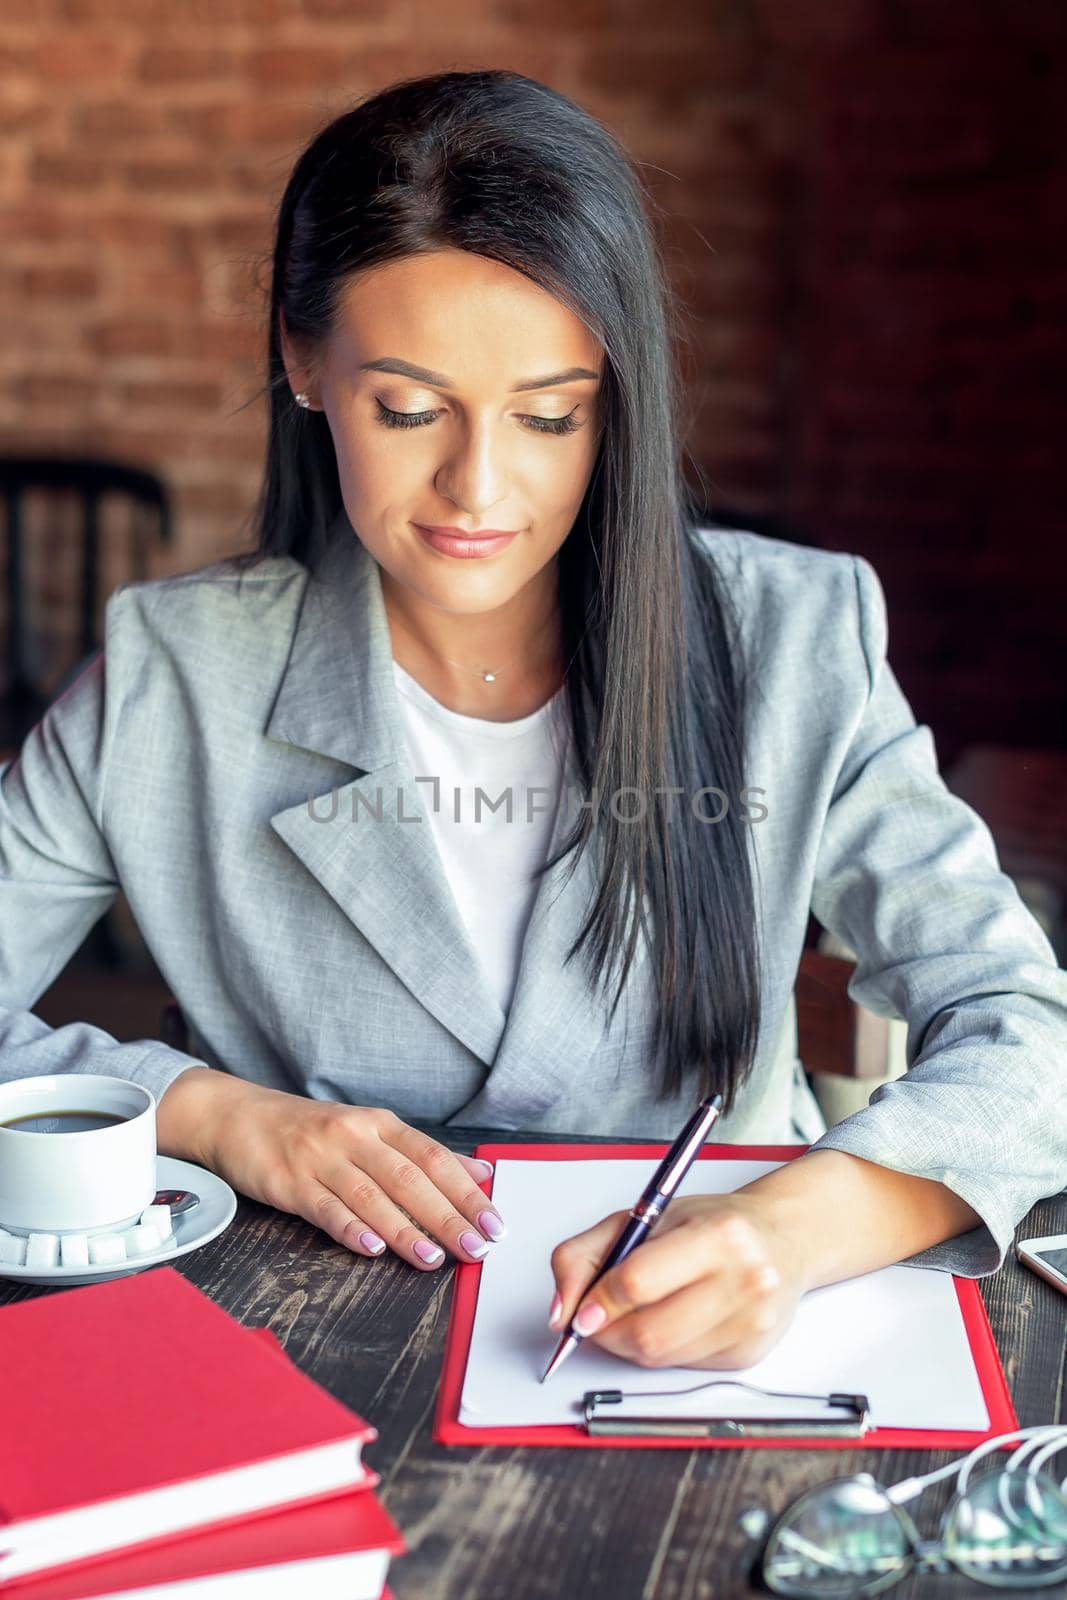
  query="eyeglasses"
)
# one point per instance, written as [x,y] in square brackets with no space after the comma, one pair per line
[851,1537]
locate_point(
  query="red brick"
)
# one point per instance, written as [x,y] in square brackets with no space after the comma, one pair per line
[190,396]
[84,59]
[562,13]
[115,121]
[179,286]
[233,125]
[345,11]
[300,67]
[137,233]
[235,340]
[33,222]
[161,66]
[822,22]
[196,14]
[135,336]
[241,234]
[666,71]
[223,496]
[29,118]
[57,392]
[165,175]
[56,282]
[67,169]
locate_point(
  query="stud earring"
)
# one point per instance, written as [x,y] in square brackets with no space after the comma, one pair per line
[302,399]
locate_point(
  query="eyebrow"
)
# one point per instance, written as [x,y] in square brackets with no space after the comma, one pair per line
[437,380]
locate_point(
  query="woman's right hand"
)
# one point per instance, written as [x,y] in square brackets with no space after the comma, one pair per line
[359,1173]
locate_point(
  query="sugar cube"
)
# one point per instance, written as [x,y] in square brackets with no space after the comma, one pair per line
[159,1217]
[141,1240]
[105,1248]
[12,1248]
[73,1250]
[42,1250]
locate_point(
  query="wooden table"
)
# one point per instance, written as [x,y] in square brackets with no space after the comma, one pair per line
[552,1523]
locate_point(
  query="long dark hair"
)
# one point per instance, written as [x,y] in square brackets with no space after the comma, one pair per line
[502,166]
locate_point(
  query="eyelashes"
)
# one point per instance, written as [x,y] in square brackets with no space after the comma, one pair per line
[559,426]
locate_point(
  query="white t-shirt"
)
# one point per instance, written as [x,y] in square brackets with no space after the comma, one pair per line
[488,855]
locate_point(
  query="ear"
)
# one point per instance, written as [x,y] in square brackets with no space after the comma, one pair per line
[299,363]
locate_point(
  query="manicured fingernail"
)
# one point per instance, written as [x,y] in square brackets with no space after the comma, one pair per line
[486,1166]
[370,1241]
[430,1253]
[556,1308]
[491,1224]
[473,1243]
[590,1318]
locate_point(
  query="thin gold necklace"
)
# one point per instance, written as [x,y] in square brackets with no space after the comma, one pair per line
[486,677]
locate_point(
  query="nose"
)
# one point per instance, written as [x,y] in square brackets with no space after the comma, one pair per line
[474,476]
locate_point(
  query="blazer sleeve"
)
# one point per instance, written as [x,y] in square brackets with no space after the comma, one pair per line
[908,874]
[57,879]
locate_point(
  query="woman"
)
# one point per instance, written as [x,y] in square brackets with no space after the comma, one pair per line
[469,337]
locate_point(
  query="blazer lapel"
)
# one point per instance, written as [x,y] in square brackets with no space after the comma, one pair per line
[337,698]
[369,843]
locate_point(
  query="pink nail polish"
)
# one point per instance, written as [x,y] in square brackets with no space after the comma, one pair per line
[486,1166]
[491,1224]
[554,1311]
[430,1253]
[590,1318]
[473,1243]
[370,1241]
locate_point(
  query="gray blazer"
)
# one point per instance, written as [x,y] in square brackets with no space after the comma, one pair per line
[232,760]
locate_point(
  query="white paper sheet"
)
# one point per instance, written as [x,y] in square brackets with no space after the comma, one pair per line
[896,1335]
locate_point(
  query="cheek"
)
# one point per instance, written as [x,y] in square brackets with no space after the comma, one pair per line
[556,475]
[369,463]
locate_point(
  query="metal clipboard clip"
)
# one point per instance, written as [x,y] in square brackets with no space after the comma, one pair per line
[852,1426]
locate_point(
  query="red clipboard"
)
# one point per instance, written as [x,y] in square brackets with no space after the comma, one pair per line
[447,1428]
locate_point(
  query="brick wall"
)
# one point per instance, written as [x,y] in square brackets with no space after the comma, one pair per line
[862,202]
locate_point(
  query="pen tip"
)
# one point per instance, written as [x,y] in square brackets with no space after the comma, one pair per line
[566,1345]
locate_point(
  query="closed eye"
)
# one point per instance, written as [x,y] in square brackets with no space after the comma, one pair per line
[422,419]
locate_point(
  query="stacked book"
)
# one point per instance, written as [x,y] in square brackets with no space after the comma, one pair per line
[151,1447]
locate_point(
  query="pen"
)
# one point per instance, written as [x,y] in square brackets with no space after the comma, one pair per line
[653,1203]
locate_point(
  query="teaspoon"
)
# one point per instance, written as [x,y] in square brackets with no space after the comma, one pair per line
[179,1200]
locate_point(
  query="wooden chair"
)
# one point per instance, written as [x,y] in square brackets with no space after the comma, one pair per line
[89,483]
[836,1035]
[30,483]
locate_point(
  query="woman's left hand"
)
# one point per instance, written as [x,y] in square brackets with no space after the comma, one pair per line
[713,1285]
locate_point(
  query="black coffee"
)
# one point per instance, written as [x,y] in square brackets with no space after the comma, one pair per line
[63,1121]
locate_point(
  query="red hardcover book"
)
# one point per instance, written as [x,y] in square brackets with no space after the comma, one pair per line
[137,1409]
[335,1549]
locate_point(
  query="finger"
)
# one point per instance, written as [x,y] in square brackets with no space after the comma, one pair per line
[677,1253]
[327,1211]
[409,1210]
[448,1173]
[358,1193]
[577,1260]
[703,1324]
[481,1171]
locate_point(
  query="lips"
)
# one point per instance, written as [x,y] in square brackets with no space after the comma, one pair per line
[464,546]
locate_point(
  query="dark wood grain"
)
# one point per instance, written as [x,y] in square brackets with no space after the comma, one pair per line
[530,1524]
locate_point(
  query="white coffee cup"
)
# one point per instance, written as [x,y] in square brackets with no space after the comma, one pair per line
[79,1178]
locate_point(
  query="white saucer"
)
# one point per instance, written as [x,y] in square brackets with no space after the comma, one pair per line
[204,1222]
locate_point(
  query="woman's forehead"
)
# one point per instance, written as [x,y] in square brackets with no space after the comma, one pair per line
[458,314]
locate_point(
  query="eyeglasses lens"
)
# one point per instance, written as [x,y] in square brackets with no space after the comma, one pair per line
[843,1538]
[1009,1530]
